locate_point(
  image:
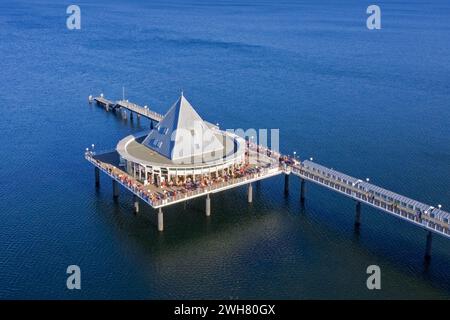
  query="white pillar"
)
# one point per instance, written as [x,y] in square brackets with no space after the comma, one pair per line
[358,214]
[250,193]
[115,189]
[428,246]
[135,204]
[160,220]
[302,190]
[286,184]
[208,205]
[97,177]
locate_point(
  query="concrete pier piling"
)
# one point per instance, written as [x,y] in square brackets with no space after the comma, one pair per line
[428,246]
[302,190]
[286,184]
[358,214]
[250,193]
[208,205]
[97,177]
[135,204]
[160,220]
[115,189]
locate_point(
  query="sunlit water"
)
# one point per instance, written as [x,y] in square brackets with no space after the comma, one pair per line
[369,103]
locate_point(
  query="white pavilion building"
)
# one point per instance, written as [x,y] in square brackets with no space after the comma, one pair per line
[181,145]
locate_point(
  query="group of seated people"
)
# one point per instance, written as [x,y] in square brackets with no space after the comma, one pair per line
[170,189]
[183,185]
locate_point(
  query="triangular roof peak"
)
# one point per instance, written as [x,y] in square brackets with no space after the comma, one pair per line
[182,133]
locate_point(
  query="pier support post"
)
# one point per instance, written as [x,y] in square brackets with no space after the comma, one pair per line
[115,189]
[286,184]
[250,193]
[302,190]
[358,214]
[208,205]
[97,177]
[428,246]
[131,115]
[160,220]
[135,204]
[151,124]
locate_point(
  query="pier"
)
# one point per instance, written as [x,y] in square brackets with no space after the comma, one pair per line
[122,105]
[270,163]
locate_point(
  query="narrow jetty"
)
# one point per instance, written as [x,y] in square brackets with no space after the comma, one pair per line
[122,105]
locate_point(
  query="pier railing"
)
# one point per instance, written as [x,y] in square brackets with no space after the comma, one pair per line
[421,217]
[145,112]
[132,107]
[140,190]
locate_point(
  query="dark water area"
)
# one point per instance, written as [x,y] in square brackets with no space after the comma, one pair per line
[369,103]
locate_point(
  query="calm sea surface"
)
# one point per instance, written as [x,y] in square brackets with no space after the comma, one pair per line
[370,103]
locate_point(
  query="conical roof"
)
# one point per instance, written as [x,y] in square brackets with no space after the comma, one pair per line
[182,134]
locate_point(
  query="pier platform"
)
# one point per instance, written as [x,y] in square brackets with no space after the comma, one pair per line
[108,162]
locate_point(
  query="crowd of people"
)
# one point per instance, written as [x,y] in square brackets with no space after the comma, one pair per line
[180,187]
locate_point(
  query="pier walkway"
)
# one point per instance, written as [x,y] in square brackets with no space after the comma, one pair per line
[125,104]
[143,111]
[415,212]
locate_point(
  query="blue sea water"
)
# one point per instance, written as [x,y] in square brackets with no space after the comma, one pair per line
[370,103]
